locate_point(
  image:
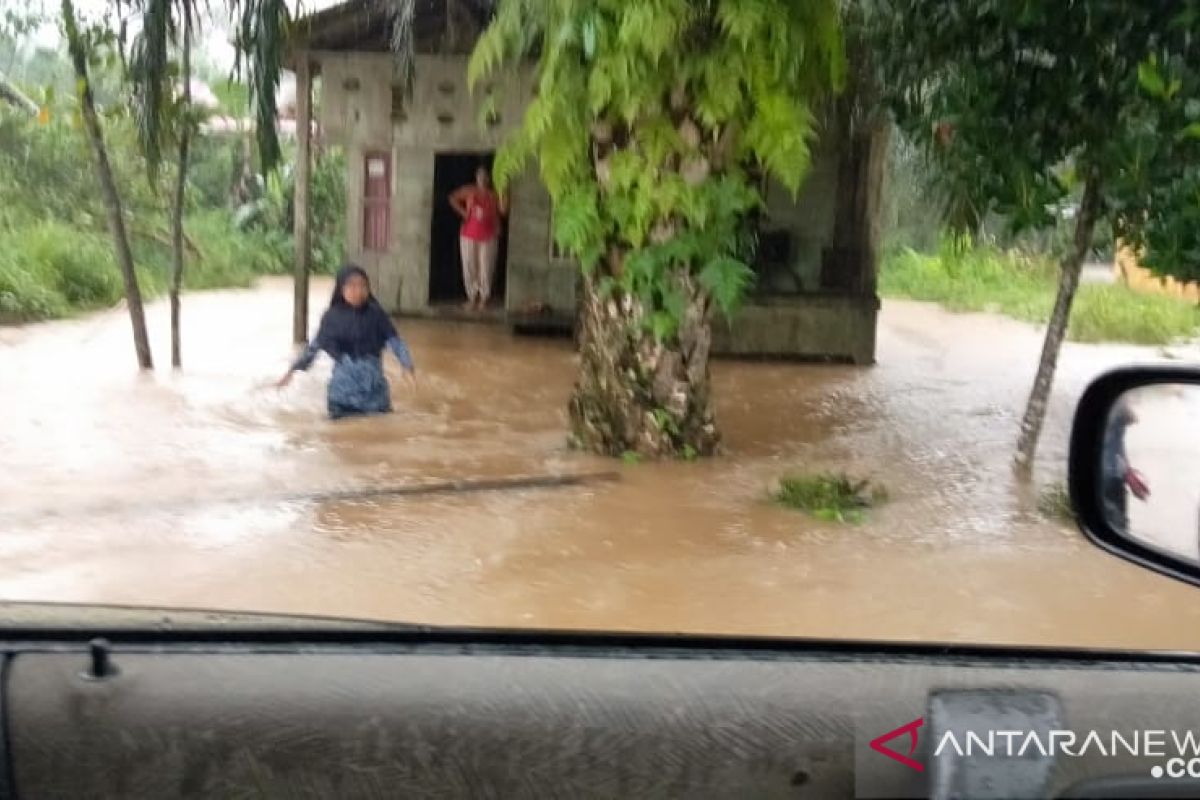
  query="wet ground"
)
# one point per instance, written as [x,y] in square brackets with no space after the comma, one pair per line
[189,490]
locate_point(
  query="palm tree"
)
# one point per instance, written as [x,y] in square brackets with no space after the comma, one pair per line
[649,122]
[81,44]
[164,118]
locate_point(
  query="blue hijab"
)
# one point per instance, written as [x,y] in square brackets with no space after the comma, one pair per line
[349,331]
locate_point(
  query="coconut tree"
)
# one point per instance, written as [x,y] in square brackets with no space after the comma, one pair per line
[161,59]
[163,115]
[649,122]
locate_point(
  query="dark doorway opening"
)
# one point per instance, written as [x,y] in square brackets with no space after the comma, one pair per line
[450,171]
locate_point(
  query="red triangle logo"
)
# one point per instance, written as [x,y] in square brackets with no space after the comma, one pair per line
[878,744]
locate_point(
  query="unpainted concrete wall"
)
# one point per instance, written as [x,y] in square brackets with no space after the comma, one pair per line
[443,117]
[809,218]
[839,327]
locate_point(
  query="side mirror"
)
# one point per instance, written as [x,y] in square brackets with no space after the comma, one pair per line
[1135,467]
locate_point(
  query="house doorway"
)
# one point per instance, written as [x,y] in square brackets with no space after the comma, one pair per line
[450,171]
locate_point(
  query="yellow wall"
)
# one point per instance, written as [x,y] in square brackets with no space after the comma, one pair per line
[1140,279]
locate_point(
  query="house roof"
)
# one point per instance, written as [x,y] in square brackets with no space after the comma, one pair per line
[366,25]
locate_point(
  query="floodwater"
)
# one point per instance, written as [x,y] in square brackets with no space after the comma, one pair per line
[202,490]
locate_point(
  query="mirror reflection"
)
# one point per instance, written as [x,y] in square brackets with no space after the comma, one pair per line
[1150,470]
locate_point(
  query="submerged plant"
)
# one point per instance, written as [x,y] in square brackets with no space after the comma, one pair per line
[833,497]
[1055,501]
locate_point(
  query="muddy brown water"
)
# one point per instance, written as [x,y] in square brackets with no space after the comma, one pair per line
[110,482]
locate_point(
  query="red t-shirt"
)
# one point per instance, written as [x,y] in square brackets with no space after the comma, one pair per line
[483,216]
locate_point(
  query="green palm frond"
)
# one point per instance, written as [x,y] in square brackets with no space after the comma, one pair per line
[402,41]
[149,73]
[261,40]
[652,112]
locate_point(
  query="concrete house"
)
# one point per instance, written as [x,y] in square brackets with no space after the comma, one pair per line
[815,296]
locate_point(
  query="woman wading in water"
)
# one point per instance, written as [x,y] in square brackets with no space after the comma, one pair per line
[354,331]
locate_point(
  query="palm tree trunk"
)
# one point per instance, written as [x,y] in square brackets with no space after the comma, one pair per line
[108,186]
[180,187]
[637,394]
[1068,283]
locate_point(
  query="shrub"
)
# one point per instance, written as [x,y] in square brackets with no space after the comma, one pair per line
[24,298]
[227,256]
[1055,501]
[78,264]
[830,496]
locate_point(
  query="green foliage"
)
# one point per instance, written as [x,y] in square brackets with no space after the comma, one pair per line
[25,295]
[1023,285]
[233,97]
[227,256]
[261,39]
[1054,501]
[80,268]
[646,120]
[1115,313]
[1022,101]
[1158,194]
[833,497]
[56,254]
[273,212]
[214,165]
[49,268]
[152,75]
[46,172]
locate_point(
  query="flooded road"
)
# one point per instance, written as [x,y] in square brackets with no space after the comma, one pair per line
[110,478]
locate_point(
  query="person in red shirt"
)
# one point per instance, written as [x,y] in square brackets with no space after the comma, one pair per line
[481,210]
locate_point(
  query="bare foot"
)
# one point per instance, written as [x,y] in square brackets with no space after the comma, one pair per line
[469,305]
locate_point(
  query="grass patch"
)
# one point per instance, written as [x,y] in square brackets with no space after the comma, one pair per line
[227,256]
[833,497]
[1023,286]
[1054,501]
[50,270]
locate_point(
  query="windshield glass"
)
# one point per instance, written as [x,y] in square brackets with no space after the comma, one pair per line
[506,347]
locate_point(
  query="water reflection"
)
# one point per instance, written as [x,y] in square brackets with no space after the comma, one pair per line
[107,476]
[1151,470]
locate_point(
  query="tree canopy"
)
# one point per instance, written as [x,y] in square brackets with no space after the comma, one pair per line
[648,114]
[652,123]
[1036,108]
[1157,195]
[1020,101]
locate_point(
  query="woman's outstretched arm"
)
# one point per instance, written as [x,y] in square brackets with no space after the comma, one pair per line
[306,357]
[400,350]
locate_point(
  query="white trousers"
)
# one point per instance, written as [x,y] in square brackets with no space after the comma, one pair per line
[479,263]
